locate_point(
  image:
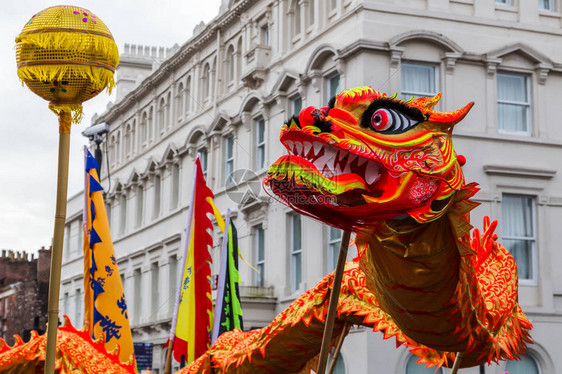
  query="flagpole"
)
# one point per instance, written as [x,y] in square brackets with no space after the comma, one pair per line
[168,366]
[334,297]
[457,363]
[346,328]
[58,239]
[222,275]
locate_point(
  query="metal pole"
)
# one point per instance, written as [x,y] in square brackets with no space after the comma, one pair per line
[334,296]
[58,239]
[457,363]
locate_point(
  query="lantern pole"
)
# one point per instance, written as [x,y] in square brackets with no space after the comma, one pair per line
[58,239]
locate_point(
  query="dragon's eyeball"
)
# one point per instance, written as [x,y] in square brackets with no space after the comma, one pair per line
[381,120]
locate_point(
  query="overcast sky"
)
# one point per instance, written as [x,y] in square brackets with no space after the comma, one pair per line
[29,130]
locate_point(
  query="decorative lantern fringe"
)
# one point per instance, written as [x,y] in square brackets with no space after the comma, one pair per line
[100,78]
[75,110]
[97,61]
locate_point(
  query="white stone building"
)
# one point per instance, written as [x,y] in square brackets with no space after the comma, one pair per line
[226,92]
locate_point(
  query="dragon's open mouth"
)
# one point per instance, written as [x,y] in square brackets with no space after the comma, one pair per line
[314,167]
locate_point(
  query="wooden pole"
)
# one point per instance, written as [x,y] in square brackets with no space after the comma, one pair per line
[457,363]
[332,308]
[168,365]
[58,239]
[344,333]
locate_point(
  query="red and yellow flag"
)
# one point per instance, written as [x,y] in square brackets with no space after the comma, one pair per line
[105,305]
[193,320]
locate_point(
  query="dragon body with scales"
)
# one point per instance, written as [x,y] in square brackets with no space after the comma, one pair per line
[386,169]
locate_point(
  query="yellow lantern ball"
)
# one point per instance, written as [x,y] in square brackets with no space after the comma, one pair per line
[66,55]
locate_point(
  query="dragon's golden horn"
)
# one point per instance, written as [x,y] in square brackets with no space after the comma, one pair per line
[449,119]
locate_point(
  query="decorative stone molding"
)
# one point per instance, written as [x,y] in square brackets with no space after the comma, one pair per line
[450,61]
[519,171]
[492,67]
[542,72]
[395,57]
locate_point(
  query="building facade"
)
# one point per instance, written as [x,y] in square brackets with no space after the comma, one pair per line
[225,93]
[24,288]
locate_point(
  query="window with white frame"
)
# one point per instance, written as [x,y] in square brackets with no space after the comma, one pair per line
[259,256]
[140,205]
[78,307]
[203,158]
[123,213]
[65,304]
[80,235]
[179,102]
[230,64]
[334,240]
[260,144]
[311,12]
[264,35]
[418,80]
[228,156]
[295,228]
[296,105]
[339,367]
[332,85]
[518,233]
[527,365]
[172,282]
[174,200]
[332,5]
[412,367]
[504,2]
[296,12]
[137,301]
[514,105]
[187,95]
[547,5]
[157,196]
[155,302]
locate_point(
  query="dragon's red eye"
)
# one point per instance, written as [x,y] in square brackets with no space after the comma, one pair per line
[381,120]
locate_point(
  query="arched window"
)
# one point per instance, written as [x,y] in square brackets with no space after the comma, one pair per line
[162,115]
[238,58]
[150,124]
[143,133]
[412,367]
[230,65]
[179,102]
[206,81]
[296,19]
[527,365]
[132,138]
[127,140]
[187,95]
[168,111]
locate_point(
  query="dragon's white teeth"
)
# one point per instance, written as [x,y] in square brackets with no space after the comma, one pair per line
[322,161]
[331,152]
[289,144]
[298,148]
[372,172]
[347,169]
[317,147]
[361,161]
[307,146]
[351,157]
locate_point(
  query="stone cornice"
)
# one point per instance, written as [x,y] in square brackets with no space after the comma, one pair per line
[184,53]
